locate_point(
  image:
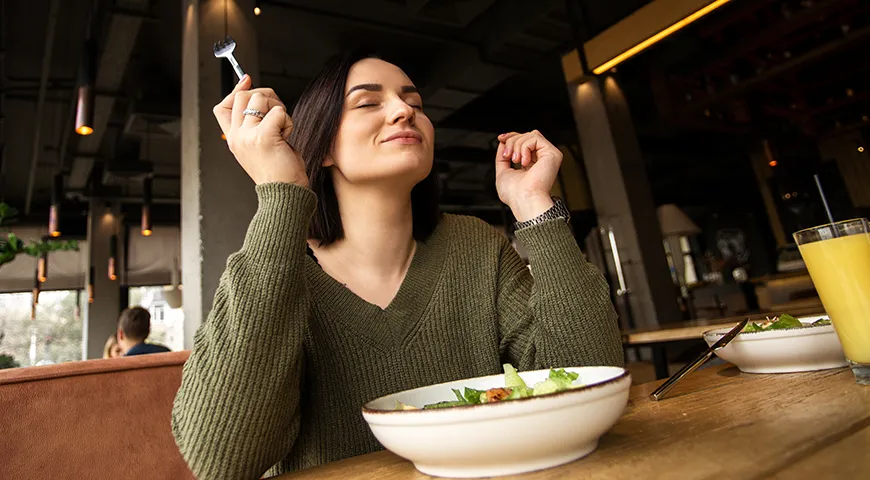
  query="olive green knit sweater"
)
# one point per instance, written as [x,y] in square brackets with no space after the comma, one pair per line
[287,357]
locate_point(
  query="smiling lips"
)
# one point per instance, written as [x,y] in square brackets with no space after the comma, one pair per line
[405,137]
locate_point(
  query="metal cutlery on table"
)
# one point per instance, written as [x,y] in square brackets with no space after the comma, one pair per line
[690,367]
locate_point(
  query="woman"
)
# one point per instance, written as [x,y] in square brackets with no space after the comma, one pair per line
[390,296]
[112,349]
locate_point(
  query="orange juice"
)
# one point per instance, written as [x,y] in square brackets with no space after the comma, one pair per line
[840,269]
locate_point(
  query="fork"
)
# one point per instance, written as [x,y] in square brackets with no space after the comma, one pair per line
[224,49]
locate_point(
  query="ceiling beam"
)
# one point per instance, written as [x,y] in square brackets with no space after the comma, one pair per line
[118,46]
[40,102]
[770,35]
[725,19]
[364,22]
[797,62]
[502,27]
[463,73]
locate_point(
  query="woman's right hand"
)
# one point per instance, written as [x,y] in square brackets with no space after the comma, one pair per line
[260,145]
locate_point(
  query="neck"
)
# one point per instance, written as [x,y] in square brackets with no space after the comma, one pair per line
[128,343]
[378,231]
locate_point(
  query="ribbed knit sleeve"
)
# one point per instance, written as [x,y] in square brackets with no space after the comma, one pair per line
[559,315]
[237,411]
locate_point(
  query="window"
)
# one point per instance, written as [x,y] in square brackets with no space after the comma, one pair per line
[158,316]
[167,323]
[54,336]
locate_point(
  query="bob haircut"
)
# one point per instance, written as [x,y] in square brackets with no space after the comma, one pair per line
[317,117]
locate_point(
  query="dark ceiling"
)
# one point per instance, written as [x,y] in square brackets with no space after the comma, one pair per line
[699,98]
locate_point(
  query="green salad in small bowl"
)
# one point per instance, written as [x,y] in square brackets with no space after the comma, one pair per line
[783,322]
[783,344]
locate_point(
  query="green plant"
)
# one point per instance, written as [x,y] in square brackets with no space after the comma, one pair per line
[6,361]
[11,245]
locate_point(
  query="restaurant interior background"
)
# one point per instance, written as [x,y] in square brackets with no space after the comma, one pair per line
[719,128]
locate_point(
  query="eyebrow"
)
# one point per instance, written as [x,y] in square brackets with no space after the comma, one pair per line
[377,87]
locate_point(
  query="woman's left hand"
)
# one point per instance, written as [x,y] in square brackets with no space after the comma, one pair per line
[526,190]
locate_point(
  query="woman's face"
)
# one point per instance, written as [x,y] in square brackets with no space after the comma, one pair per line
[384,135]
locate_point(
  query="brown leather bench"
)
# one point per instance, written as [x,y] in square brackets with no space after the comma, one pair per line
[95,419]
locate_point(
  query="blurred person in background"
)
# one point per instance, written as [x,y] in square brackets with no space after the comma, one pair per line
[112,349]
[134,326]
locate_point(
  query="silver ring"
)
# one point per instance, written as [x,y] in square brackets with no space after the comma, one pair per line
[254,112]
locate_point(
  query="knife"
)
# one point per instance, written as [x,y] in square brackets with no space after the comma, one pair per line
[660,392]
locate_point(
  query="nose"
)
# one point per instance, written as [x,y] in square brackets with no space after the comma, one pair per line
[401,111]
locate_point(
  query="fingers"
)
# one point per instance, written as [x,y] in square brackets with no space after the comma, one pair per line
[268,93]
[510,147]
[501,163]
[525,148]
[240,103]
[259,103]
[223,111]
[288,126]
[503,139]
[522,148]
[277,118]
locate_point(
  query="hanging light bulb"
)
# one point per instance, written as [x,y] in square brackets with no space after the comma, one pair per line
[42,268]
[85,94]
[147,229]
[91,285]
[54,210]
[113,256]
[257,10]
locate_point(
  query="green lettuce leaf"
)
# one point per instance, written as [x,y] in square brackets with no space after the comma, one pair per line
[563,377]
[752,327]
[445,404]
[472,396]
[547,386]
[785,321]
[520,392]
[512,379]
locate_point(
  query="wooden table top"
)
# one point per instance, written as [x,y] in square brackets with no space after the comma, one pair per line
[693,330]
[718,422]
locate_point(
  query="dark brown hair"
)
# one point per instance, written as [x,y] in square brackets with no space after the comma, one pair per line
[317,117]
[135,322]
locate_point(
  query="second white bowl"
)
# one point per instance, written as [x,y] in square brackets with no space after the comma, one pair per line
[782,351]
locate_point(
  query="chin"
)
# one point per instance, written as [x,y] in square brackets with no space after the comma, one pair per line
[410,165]
[414,165]
[406,167]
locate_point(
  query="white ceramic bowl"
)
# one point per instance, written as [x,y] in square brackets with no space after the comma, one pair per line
[500,438]
[782,351]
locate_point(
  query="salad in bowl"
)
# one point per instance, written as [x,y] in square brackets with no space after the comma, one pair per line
[501,424]
[782,344]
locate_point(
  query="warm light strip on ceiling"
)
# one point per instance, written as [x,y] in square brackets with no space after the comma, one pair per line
[655,38]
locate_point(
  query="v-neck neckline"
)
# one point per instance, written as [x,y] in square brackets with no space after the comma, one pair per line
[387,327]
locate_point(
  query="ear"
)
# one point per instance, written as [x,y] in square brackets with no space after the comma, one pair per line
[120,334]
[328,161]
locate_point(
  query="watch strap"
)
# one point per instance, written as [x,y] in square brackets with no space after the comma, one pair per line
[557,211]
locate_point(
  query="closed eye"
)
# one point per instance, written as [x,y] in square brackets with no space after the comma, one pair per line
[367,105]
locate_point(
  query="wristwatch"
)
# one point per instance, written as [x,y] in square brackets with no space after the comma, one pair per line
[558,210]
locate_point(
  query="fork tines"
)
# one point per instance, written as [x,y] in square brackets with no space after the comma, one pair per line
[225,46]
